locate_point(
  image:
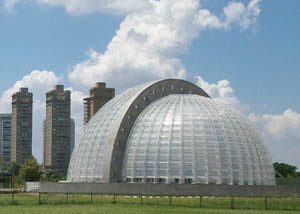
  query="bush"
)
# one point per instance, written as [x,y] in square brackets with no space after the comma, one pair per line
[31,170]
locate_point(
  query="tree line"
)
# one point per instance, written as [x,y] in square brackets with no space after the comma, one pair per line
[30,171]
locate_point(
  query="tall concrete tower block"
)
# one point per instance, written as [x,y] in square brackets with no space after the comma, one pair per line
[5,137]
[57,130]
[99,95]
[21,126]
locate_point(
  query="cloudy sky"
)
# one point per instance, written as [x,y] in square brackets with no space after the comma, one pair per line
[244,53]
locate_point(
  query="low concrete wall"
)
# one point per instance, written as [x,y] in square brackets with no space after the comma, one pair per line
[172,189]
[32,186]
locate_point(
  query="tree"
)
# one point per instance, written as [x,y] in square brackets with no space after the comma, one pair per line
[53,176]
[4,165]
[14,169]
[31,170]
[285,170]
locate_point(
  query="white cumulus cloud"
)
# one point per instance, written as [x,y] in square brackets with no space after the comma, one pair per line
[148,43]
[37,81]
[282,134]
[244,16]
[222,92]
[279,126]
[151,37]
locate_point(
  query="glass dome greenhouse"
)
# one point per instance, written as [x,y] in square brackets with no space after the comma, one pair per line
[170,131]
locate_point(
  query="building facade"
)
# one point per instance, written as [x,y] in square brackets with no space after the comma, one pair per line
[57,130]
[5,137]
[99,95]
[21,126]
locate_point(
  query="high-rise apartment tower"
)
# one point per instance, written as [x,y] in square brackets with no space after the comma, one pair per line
[99,95]
[5,137]
[57,130]
[21,126]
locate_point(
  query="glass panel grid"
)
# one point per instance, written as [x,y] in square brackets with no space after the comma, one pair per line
[201,140]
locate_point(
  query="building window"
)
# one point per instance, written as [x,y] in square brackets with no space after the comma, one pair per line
[176,180]
[188,180]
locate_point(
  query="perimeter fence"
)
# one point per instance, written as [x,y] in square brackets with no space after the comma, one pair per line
[288,181]
[208,196]
[253,203]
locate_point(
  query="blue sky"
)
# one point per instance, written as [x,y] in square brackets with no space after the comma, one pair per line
[258,54]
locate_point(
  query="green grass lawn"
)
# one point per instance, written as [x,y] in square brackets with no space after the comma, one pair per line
[123,209]
[52,203]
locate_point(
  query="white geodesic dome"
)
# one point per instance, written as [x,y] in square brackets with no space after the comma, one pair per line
[170,131]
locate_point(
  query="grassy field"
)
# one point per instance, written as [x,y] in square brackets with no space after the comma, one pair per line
[50,203]
[124,209]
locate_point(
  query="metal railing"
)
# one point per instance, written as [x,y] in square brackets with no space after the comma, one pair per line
[202,201]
